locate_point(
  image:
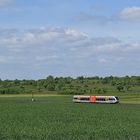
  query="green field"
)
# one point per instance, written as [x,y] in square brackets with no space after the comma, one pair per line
[57,118]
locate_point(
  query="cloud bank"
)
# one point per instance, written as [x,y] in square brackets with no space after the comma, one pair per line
[64,51]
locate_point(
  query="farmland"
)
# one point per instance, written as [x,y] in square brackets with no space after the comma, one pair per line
[56,117]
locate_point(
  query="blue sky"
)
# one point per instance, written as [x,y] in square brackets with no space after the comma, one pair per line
[69,38]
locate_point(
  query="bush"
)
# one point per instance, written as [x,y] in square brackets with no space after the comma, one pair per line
[71,93]
[9,91]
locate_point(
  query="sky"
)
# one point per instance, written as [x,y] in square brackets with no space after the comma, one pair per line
[73,38]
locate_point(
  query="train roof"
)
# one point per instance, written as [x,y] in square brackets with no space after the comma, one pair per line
[81,96]
[93,95]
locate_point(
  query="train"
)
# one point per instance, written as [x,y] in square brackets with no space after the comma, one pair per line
[95,99]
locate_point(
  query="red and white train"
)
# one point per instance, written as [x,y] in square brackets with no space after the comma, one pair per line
[95,99]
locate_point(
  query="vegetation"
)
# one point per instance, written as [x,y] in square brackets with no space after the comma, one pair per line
[56,117]
[68,85]
[53,116]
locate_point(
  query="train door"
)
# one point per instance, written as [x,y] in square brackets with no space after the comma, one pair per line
[92,99]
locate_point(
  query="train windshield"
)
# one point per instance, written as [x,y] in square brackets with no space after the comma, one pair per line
[117,98]
[112,99]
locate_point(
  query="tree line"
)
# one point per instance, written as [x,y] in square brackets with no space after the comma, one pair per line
[69,85]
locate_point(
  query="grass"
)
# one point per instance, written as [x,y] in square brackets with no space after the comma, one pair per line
[57,118]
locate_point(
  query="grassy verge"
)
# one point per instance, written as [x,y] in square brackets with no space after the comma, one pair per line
[56,117]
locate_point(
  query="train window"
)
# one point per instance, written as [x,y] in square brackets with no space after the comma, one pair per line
[100,99]
[84,99]
[75,98]
[112,99]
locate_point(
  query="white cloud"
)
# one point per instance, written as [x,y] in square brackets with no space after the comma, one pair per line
[126,14]
[6,59]
[4,3]
[130,13]
[69,41]
[104,61]
[43,37]
[56,49]
[2,59]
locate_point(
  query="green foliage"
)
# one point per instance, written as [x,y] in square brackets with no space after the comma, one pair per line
[9,91]
[68,85]
[71,92]
[120,87]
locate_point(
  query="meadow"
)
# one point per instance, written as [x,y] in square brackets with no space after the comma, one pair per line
[57,118]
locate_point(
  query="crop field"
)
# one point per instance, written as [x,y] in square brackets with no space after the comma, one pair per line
[57,118]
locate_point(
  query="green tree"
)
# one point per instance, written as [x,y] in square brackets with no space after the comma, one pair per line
[120,88]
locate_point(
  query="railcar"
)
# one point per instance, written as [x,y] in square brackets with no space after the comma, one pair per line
[95,99]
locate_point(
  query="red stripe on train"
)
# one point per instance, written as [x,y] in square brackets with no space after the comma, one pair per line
[92,99]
